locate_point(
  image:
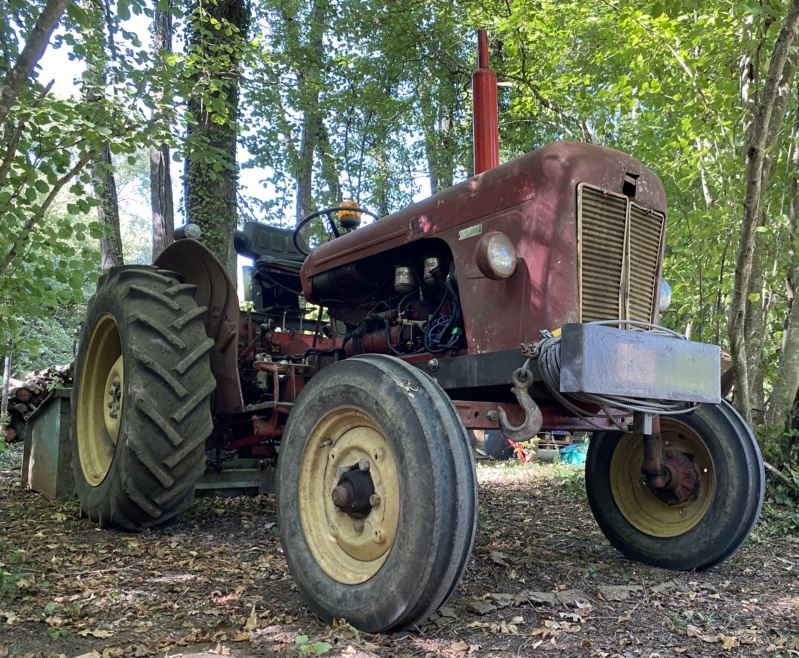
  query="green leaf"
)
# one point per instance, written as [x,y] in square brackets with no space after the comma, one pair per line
[301,639]
[322,647]
[754,297]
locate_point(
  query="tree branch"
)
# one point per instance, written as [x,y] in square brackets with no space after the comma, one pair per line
[31,54]
[39,214]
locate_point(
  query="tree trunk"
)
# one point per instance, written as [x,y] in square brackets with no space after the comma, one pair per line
[781,67]
[163,213]
[105,188]
[31,54]
[211,173]
[786,385]
[102,169]
[161,203]
[308,75]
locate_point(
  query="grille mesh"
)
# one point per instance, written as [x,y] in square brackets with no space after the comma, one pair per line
[619,245]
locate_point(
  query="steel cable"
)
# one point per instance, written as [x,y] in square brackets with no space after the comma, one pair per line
[549,365]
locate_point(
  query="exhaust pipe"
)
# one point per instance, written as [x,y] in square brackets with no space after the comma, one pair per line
[485,124]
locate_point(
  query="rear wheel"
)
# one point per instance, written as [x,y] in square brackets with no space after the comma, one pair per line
[707,518]
[377,497]
[140,401]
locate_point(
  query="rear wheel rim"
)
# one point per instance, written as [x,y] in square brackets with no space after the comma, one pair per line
[350,550]
[100,400]
[639,505]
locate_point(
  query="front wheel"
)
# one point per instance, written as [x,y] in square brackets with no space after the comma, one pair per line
[720,501]
[377,496]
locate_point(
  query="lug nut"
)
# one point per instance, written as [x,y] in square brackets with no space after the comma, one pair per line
[358,525]
[364,465]
[343,470]
[374,500]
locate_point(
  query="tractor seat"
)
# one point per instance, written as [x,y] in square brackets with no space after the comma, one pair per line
[268,244]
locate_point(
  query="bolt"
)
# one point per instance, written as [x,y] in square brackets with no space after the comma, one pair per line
[358,525]
[378,537]
[433,365]
[491,415]
[343,470]
[374,500]
[364,465]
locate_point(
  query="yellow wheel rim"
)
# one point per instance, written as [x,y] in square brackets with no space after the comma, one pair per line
[642,508]
[100,400]
[348,549]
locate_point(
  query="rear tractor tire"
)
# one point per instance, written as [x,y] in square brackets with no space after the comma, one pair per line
[721,470]
[140,403]
[377,495]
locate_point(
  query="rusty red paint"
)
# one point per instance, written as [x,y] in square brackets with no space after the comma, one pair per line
[482,416]
[217,293]
[533,201]
[485,123]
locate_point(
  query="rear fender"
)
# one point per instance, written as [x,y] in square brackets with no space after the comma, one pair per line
[217,292]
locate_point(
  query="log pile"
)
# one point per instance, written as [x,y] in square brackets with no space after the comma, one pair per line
[25,396]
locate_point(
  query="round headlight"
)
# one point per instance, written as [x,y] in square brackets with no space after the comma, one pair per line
[496,255]
[665,296]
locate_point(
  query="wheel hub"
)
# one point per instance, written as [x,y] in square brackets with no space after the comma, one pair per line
[677,507]
[353,492]
[349,496]
[113,408]
[683,482]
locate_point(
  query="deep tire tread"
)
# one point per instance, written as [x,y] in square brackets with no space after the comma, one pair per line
[165,333]
[166,409]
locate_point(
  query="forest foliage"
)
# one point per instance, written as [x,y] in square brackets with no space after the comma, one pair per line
[334,99]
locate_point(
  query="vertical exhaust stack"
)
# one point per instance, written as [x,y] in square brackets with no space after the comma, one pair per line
[485,124]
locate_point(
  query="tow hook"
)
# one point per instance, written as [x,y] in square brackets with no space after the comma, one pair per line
[533,419]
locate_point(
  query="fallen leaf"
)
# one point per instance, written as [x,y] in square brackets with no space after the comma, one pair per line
[728,641]
[499,558]
[95,633]
[481,607]
[617,592]
[252,620]
[460,646]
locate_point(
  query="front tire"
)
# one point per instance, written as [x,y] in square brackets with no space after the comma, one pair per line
[140,402]
[723,461]
[393,563]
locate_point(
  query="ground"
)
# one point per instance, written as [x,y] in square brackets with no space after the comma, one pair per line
[542,581]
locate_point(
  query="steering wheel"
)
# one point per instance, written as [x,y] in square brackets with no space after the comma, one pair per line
[327,212]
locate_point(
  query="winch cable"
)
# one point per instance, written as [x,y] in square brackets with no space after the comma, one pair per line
[548,349]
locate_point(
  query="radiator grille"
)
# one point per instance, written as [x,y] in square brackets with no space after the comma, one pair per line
[619,243]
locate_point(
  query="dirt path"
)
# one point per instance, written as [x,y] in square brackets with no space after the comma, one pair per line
[542,581]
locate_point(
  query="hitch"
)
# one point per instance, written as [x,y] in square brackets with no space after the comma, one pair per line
[533,418]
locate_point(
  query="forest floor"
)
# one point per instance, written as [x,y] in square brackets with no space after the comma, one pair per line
[542,581]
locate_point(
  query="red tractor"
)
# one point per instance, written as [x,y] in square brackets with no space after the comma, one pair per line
[524,299]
